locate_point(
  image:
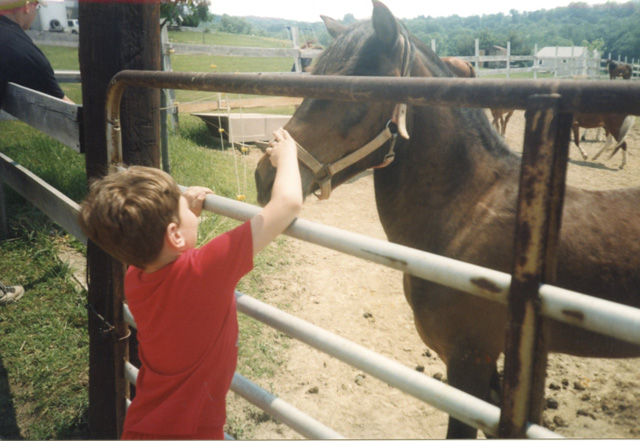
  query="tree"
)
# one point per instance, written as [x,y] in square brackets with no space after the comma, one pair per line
[348,19]
[235,25]
[187,12]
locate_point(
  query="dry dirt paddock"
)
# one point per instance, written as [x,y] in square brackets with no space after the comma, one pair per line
[364,302]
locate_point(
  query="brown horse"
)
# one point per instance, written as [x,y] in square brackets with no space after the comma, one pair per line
[500,119]
[459,67]
[619,70]
[614,124]
[464,69]
[452,190]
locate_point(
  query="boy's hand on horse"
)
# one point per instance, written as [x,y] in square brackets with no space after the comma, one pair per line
[281,146]
[195,197]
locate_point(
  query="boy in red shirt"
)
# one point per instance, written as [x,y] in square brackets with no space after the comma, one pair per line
[182,297]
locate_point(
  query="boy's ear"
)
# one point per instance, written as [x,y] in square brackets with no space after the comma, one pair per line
[173,237]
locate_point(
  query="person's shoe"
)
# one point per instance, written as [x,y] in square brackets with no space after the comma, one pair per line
[10,294]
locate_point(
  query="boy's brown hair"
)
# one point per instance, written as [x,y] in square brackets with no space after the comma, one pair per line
[126,213]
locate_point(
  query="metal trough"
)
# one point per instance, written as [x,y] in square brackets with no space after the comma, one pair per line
[243,127]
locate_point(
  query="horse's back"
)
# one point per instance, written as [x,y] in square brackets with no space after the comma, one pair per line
[599,250]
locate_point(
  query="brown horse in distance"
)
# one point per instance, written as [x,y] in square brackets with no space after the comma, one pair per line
[459,67]
[464,69]
[500,119]
[614,124]
[619,70]
[452,190]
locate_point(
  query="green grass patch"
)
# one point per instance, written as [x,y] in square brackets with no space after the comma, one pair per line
[225,39]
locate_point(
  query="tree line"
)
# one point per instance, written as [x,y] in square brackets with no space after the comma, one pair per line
[609,27]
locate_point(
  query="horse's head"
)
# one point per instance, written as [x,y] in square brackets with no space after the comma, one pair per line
[332,134]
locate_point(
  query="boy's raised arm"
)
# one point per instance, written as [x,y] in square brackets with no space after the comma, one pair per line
[286,195]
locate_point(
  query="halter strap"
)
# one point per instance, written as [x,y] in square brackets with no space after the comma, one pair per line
[325,171]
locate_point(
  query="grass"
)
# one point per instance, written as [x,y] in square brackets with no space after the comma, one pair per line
[63,58]
[224,39]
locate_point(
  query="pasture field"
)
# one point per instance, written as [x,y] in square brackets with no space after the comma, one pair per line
[224,39]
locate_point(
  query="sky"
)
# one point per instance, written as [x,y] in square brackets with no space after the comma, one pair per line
[305,10]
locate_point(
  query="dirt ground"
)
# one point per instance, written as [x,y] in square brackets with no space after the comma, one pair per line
[364,302]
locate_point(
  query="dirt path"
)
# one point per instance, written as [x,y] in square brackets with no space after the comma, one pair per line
[364,302]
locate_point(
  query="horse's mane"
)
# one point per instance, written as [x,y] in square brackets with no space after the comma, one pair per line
[357,52]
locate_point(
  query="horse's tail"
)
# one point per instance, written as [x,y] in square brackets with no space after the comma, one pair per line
[626,126]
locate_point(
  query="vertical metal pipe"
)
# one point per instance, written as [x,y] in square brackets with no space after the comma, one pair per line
[524,334]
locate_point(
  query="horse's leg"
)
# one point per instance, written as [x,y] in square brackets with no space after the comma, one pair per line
[622,146]
[473,376]
[584,135]
[502,128]
[496,123]
[624,155]
[576,139]
[506,121]
[606,146]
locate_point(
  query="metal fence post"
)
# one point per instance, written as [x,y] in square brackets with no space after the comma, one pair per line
[540,202]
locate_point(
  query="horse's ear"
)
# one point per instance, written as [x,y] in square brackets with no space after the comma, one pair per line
[334,27]
[384,24]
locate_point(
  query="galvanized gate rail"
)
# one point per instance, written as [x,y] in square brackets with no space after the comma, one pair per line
[549,105]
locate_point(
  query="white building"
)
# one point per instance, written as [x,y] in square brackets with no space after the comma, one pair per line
[565,60]
[53,17]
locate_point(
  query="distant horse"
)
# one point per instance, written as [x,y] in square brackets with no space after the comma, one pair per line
[459,67]
[452,190]
[619,70]
[305,62]
[500,119]
[464,69]
[614,124]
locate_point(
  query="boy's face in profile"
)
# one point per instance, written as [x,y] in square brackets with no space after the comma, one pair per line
[188,223]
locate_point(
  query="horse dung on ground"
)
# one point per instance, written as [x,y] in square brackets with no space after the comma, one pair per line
[452,190]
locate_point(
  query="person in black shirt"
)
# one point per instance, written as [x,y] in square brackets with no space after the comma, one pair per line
[21,61]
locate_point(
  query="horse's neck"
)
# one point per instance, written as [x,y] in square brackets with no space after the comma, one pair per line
[451,160]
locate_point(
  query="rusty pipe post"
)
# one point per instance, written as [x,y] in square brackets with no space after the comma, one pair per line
[539,208]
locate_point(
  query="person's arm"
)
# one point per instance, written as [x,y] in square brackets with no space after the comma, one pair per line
[286,194]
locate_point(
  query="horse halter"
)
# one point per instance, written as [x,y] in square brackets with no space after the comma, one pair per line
[324,172]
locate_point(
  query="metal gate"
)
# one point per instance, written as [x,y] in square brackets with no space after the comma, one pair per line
[544,166]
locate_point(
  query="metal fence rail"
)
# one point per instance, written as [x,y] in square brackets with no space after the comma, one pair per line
[602,316]
[272,405]
[459,404]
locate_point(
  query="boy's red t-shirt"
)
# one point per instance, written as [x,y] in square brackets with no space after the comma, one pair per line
[188,334]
